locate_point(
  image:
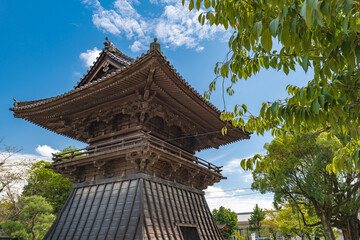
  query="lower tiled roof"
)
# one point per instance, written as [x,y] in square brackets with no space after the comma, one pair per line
[133,207]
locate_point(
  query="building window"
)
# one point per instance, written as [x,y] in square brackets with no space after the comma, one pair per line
[189,233]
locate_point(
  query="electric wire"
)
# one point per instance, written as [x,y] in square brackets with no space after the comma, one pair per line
[231,190]
[232,196]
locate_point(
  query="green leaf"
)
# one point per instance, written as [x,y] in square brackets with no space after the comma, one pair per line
[262,110]
[191,5]
[310,91]
[293,26]
[341,100]
[242,164]
[266,40]
[198,4]
[207,3]
[347,6]
[321,100]
[303,10]
[312,3]
[257,29]
[284,11]
[249,164]
[273,26]
[285,35]
[356,157]
[315,106]
[244,107]
[226,24]
[286,69]
[304,63]
[211,19]
[306,13]
[275,108]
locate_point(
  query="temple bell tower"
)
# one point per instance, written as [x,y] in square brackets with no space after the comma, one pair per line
[138,178]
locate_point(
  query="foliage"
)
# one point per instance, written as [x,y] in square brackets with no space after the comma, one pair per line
[45,182]
[238,236]
[285,221]
[299,176]
[320,34]
[226,216]
[10,209]
[34,220]
[68,149]
[255,219]
[70,152]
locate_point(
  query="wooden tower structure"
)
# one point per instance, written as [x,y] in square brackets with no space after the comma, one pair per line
[138,178]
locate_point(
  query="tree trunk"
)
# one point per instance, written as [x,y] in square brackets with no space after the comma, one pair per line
[274,235]
[351,229]
[328,233]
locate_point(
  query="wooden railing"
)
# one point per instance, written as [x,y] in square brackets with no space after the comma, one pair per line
[137,140]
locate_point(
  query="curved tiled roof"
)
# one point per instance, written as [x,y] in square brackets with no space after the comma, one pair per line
[31,104]
[172,85]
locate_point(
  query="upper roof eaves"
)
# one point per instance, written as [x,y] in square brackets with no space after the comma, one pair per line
[128,62]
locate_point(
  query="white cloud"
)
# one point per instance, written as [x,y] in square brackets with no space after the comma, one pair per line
[103,20]
[248,177]
[45,150]
[199,49]
[23,158]
[77,74]
[233,166]
[137,46]
[237,200]
[125,8]
[175,27]
[90,56]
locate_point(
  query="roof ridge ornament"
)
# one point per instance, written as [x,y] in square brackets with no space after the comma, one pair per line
[110,46]
[15,103]
[155,45]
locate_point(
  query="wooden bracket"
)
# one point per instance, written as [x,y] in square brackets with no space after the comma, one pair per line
[149,82]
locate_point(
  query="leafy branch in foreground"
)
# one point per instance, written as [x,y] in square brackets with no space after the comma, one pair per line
[320,34]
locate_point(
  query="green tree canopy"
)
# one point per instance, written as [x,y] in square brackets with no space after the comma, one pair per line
[320,34]
[34,221]
[256,217]
[228,217]
[284,221]
[45,182]
[298,175]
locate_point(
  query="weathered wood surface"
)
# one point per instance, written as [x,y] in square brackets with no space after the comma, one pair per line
[137,153]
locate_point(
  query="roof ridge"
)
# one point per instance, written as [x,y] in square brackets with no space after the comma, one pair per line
[95,81]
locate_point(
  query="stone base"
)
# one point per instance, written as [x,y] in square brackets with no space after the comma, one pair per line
[138,206]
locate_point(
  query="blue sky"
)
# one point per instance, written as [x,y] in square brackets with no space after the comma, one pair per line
[48,45]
